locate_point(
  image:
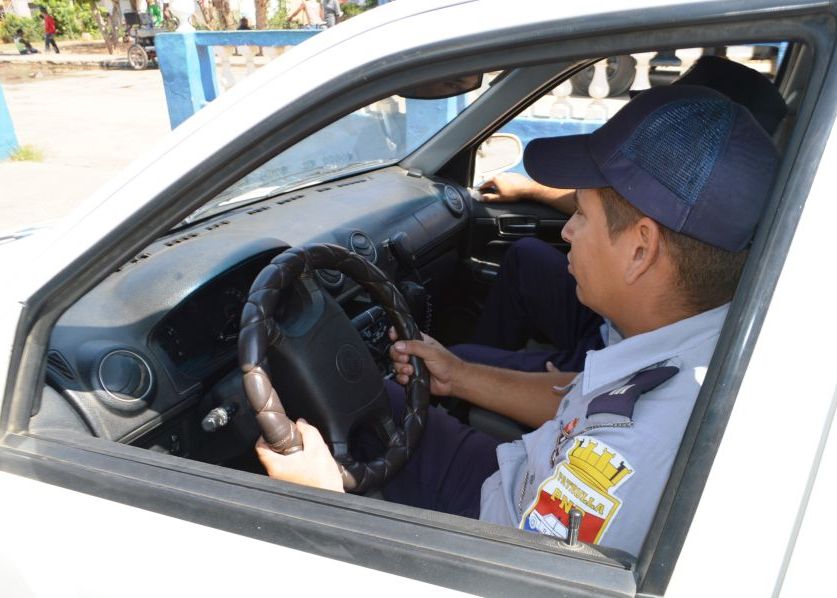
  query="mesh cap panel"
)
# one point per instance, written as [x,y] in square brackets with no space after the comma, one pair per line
[680,144]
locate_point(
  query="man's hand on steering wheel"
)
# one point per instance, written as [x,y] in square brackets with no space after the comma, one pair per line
[441,363]
[312,466]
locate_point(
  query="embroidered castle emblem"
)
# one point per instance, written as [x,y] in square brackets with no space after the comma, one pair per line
[585,479]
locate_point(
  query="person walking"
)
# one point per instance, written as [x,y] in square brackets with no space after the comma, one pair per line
[49,31]
[332,12]
[312,12]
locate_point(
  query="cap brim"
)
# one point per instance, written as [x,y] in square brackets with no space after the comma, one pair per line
[563,162]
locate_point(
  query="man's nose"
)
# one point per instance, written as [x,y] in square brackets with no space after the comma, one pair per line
[567,231]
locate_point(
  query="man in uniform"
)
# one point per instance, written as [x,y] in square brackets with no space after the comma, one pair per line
[670,191]
[534,295]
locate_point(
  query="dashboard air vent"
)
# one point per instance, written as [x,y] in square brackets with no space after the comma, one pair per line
[453,200]
[125,376]
[362,245]
[59,365]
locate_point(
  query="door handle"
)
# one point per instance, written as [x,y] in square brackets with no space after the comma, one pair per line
[517,226]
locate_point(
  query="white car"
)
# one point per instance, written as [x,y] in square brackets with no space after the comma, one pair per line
[119,327]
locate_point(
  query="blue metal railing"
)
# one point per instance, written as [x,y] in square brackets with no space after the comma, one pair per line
[187,63]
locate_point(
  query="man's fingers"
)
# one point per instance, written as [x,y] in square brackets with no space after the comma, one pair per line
[311,436]
[417,348]
[403,369]
[397,357]
[488,186]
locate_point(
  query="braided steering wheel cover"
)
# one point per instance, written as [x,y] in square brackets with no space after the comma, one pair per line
[259,330]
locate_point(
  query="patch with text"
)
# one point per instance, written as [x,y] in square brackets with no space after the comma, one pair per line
[585,479]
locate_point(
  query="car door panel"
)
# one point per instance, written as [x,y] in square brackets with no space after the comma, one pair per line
[496,226]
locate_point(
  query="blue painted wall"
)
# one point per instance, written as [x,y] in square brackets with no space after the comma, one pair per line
[187,63]
[8,139]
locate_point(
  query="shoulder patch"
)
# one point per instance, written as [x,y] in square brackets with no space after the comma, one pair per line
[585,479]
[620,401]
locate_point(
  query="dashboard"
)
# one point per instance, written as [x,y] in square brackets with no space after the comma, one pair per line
[144,356]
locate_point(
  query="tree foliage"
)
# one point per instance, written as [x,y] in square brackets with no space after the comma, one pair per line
[33,29]
[351,9]
[71,18]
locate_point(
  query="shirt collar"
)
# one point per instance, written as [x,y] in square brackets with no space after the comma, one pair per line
[628,356]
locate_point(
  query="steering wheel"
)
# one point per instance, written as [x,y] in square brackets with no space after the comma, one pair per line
[295,340]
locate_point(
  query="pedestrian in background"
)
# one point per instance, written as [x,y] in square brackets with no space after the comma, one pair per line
[49,31]
[332,11]
[22,45]
[156,13]
[312,12]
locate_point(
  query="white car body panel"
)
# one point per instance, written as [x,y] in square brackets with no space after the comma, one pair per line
[201,563]
[789,389]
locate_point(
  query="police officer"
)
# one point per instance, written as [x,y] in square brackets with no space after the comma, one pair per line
[534,296]
[669,194]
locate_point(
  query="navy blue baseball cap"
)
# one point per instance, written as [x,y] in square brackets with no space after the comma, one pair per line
[684,155]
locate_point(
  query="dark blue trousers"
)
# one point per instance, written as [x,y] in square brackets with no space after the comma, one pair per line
[533,297]
[447,470]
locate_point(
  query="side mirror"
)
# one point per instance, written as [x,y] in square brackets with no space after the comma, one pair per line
[496,154]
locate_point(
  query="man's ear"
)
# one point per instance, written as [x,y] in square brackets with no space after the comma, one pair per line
[644,248]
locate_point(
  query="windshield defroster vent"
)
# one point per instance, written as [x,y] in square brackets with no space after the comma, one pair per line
[289,199]
[349,183]
[217,225]
[179,240]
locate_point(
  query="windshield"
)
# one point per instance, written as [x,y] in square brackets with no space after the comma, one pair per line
[378,134]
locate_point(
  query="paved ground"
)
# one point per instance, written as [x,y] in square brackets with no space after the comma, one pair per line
[87,113]
[89,124]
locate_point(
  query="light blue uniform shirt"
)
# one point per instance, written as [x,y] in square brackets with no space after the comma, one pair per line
[612,466]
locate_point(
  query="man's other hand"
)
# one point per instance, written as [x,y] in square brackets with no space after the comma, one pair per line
[441,363]
[508,187]
[312,466]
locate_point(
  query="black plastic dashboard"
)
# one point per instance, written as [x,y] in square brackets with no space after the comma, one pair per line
[157,337]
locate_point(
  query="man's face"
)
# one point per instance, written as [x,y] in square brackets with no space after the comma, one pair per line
[596,262]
